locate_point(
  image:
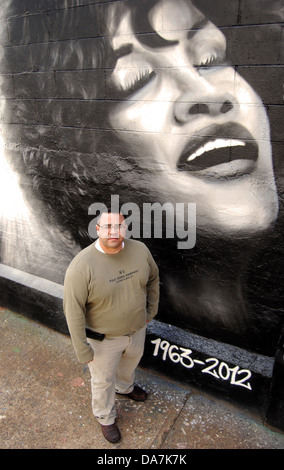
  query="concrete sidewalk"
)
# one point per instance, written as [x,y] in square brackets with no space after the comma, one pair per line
[45,403]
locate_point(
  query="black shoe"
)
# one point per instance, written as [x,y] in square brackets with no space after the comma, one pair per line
[137,394]
[111,432]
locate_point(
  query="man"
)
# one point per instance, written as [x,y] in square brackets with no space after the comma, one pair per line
[112,289]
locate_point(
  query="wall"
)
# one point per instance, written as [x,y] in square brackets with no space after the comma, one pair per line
[173,103]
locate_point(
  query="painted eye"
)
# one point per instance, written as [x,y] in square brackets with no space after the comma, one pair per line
[213,59]
[132,81]
[208,47]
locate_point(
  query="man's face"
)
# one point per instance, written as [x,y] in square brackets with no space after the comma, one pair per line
[111,230]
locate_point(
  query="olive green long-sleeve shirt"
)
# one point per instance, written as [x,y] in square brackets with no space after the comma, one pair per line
[114,294]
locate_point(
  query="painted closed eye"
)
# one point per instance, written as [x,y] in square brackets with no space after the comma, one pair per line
[208,47]
[130,81]
[214,59]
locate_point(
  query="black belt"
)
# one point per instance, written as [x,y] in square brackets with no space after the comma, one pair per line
[100,336]
[94,335]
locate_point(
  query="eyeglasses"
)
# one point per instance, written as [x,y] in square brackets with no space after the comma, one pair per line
[109,227]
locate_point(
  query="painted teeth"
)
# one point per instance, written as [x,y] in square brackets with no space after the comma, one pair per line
[216,144]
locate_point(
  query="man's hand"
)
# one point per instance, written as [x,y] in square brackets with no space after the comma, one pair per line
[89,361]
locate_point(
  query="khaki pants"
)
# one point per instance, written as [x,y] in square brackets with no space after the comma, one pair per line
[113,370]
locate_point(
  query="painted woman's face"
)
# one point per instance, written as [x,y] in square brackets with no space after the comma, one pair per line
[186,112]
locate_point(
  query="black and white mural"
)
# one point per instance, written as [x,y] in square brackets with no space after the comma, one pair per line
[173,108]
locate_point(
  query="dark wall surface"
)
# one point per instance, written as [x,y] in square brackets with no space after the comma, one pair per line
[170,105]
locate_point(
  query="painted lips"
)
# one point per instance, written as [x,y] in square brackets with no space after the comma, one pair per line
[229,148]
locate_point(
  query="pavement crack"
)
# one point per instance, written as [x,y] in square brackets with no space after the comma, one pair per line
[167,432]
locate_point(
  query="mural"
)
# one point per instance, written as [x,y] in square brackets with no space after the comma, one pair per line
[168,102]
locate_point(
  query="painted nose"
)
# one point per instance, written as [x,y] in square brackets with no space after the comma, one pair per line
[187,107]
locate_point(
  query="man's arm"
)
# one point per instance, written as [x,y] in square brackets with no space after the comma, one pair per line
[153,290]
[74,305]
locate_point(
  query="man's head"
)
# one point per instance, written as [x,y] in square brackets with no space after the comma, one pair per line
[111,228]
